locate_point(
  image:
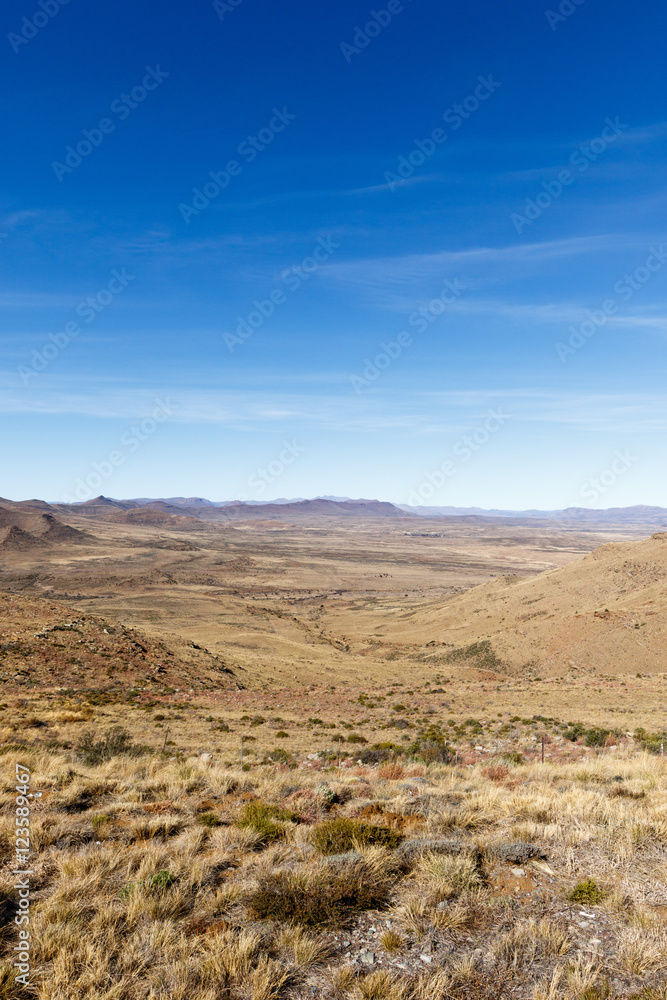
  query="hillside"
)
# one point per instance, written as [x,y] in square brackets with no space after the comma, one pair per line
[29,528]
[605,612]
[46,644]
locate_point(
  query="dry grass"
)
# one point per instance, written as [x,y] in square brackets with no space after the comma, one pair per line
[136,903]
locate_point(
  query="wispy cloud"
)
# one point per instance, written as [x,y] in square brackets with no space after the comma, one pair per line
[260,409]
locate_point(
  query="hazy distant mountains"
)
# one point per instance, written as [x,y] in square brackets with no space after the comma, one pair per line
[287,509]
[330,505]
[638,514]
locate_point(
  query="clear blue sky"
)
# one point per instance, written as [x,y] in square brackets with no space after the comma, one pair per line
[499,168]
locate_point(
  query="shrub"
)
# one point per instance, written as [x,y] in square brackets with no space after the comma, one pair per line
[116,742]
[326,894]
[653,742]
[355,738]
[281,734]
[596,736]
[208,819]
[337,836]
[431,747]
[266,820]
[495,772]
[587,892]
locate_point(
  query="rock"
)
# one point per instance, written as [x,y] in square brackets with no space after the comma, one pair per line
[426,958]
[339,861]
[518,853]
[518,872]
[367,957]
[410,851]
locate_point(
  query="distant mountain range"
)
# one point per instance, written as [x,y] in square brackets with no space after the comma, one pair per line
[329,506]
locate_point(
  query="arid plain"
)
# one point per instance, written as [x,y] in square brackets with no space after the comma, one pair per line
[459,712]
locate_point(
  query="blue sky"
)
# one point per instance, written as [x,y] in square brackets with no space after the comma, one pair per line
[470,197]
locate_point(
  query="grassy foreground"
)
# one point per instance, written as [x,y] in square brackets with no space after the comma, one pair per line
[187,878]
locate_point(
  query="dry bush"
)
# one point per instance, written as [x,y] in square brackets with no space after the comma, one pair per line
[391,772]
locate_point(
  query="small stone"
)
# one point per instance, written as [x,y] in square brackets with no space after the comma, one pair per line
[426,958]
[518,872]
[367,957]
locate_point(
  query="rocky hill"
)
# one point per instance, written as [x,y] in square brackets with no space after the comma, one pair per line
[47,644]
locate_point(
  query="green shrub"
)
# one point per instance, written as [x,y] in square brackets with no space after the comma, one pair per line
[512,757]
[593,737]
[336,836]
[596,737]
[208,819]
[266,820]
[324,895]
[653,742]
[355,738]
[587,892]
[431,747]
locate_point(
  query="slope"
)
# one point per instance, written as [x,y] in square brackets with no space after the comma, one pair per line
[606,612]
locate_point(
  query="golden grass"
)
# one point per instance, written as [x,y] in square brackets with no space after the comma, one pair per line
[161,907]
